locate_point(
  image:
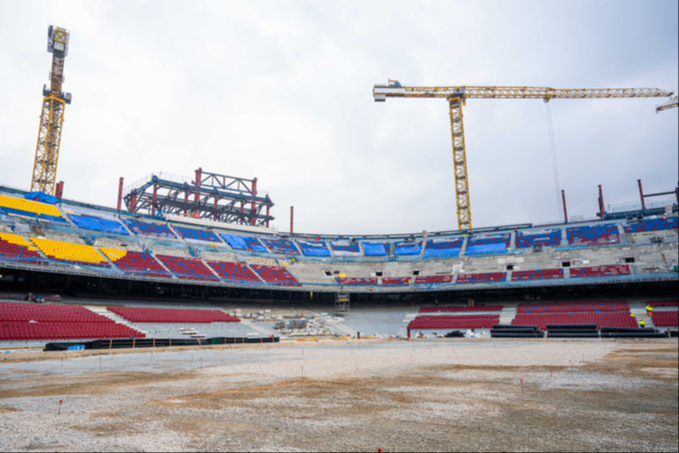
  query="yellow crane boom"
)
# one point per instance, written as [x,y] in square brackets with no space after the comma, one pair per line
[457,96]
[51,115]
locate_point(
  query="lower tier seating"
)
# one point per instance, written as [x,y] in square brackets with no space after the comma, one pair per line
[18,312]
[396,281]
[188,268]
[16,248]
[454,322]
[433,279]
[461,309]
[541,321]
[32,330]
[71,253]
[171,315]
[593,306]
[482,278]
[666,319]
[544,274]
[234,272]
[357,281]
[135,262]
[664,303]
[600,271]
[275,275]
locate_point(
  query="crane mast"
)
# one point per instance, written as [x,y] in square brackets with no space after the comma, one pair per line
[51,115]
[457,96]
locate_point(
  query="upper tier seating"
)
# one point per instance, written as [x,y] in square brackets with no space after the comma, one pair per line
[605,306]
[444,248]
[666,318]
[482,278]
[35,209]
[454,322]
[234,272]
[149,229]
[246,243]
[377,248]
[16,248]
[488,245]
[600,271]
[461,309]
[594,235]
[26,322]
[70,252]
[135,262]
[357,281]
[541,321]
[407,248]
[93,223]
[172,315]
[196,234]
[314,248]
[275,275]
[187,267]
[543,274]
[281,246]
[659,224]
[345,248]
[396,281]
[664,303]
[433,279]
[549,238]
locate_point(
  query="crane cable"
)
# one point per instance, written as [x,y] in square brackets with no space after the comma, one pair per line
[555,162]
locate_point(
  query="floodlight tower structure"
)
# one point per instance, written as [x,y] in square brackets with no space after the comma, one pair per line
[457,97]
[52,115]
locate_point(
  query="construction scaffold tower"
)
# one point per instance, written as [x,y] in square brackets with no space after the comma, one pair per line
[52,115]
[210,196]
[457,96]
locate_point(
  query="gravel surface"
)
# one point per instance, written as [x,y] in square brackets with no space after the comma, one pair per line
[443,395]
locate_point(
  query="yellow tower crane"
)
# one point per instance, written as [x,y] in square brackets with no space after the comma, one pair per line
[52,115]
[457,96]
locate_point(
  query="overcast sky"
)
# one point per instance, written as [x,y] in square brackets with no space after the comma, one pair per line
[281,90]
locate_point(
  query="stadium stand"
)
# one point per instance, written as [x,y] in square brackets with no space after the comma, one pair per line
[606,306]
[543,274]
[26,322]
[600,271]
[171,315]
[357,281]
[461,309]
[541,321]
[196,234]
[135,262]
[345,248]
[314,248]
[396,281]
[149,229]
[377,248]
[445,248]
[407,248]
[275,275]
[487,245]
[664,303]
[593,235]
[245,243]
[187,267]
[234,272]
[482,278]
[281,246]
[666,319]
[549,238]
[70,252]
[16,248]
[93,223]
[28,208]
[433,279]
[454,322]
[659,224]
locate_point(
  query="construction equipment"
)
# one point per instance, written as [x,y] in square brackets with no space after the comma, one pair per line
[671,104]
[457,96]
[52,115]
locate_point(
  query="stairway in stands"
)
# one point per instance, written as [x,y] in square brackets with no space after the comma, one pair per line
[116,318]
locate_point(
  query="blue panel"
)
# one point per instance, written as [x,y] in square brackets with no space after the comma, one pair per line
[487,249]
[314,248]
[374,249]
[236,242]
[98,224]
[441,253]
[407,248]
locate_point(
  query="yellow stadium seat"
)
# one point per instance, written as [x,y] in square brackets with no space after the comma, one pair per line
[17,240]
[32,207]
[113,254]
[67,251]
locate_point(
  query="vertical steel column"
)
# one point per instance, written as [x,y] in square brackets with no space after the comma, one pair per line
[602,208]
[253,208]
[292,219]
[121,182]
[641,195]
[198,183]
[267,216]
[154,200]
[565,207]
[464,210]
[59,192]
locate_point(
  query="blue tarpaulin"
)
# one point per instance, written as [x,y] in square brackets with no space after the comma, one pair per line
[41,197]
[372,249]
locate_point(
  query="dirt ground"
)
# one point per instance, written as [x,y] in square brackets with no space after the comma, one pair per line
[398,396]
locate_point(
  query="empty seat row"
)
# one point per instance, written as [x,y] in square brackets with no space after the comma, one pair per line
[594,235]
[541,321]
[542,274]
[31,330]
[659,224]
[196,234]
[188,268]
[549,238]
[666,319]
[454,322]
[16,248]
[275,275]
[142,228]
[600,271]
[461,309]
[135,262]
[70,252]
[29,208]
[17,312]
[577,306]
[234,272]
[172,315]
[482,278]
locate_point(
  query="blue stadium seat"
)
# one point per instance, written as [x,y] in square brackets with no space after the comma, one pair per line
[443,248]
